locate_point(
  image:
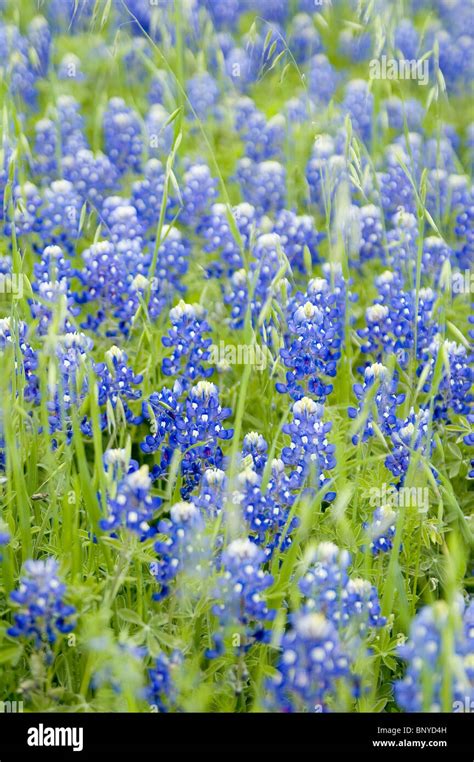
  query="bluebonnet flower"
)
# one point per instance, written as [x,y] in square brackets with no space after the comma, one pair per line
[190,346]
[255,445]
[381,529]
[323,583]
[199,429]
[159,131]
[5,265]
[123,136]
[39,35]
[104,276]
[52,297]
[309,454]
[407,39]
[241,67]
[307,352]
[311,662]
[43,614]
[296,110]
[158,87]
[402,242]
[122,221]
[241,595]
[183,549]
[118,462]
[45,150]
[422,687]
[350,603]
[440,154]
[455,60]
[358,103]
[237,296]
[437,196]
[263,184]
[280,485]
[469,142]
[262,139]
[15,334]
[325,172]
[410,148]
[115,386]
[378,399]
[135,58]
[71,385]
[26,217]
[224,14]
[147,194]
[303,39]
[296,232]
[172,261]
[396,111]
[22,77]
[216,230]
[131,506]
[161,409]
[464,230]
[212,492]
[161,691]
[92,175]
[312,345]
[61,213]
[391,320]
[224,41]
[396,190]
[67,16]
[435,253]
[71,125]
[264,516]
[112,276]
[355,45]
[267,259]
[322,78]
[197,194]
[449,132]
[203,94]
[409,438]
[371,234]
[271,10]
[454,389]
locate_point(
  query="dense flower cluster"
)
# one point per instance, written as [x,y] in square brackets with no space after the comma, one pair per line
[422,687]
[132,507]
[43,614]
[184,546]
[241,594]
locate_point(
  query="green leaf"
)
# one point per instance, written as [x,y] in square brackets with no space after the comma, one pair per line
[130,616]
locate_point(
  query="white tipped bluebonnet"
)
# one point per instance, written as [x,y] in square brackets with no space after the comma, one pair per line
[132,506]
[43,614]
[427,676]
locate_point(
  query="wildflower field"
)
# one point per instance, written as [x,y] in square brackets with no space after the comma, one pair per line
[236,387]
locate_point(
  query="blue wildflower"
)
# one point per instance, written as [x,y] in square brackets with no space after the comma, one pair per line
[123,136]
[184,547]
[422,687]
[190,345]
[131,506]
[43,614]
